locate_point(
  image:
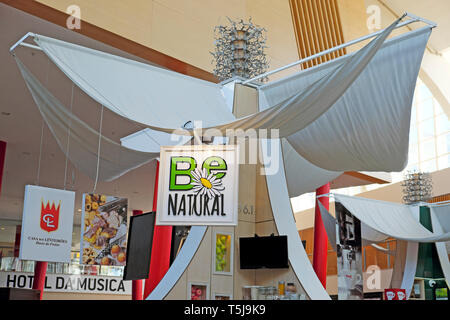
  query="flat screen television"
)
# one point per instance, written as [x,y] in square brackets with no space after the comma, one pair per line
[263,252]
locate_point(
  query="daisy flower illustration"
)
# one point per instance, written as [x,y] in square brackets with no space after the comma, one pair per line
[206,184]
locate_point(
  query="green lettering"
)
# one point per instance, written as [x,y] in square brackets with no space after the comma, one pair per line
[176,172]
[215,164]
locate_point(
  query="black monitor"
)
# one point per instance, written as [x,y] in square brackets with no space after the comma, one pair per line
[263,252]
[139,246]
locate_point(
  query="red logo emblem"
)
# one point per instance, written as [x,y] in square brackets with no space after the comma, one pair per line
[49,217]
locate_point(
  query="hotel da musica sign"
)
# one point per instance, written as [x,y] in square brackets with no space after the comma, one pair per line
[198,185]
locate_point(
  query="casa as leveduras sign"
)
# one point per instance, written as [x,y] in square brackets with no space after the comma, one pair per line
[198,185]
[47,224]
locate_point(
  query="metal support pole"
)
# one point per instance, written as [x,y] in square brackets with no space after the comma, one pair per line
[161,248]
[414,18]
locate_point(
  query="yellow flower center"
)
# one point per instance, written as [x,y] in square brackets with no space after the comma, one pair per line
[206,183]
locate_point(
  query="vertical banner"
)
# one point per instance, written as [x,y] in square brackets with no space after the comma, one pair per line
[104,230]
[47,224]
[198,185]
[349,256]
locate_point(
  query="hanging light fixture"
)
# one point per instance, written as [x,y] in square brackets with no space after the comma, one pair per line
[417,187]
[239,50]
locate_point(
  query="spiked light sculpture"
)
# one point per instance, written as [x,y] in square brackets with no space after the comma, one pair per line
[239,50]
[417,187]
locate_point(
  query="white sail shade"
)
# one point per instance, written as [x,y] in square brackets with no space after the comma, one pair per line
[392,219]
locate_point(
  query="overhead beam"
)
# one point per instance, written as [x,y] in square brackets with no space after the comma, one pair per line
[114,40]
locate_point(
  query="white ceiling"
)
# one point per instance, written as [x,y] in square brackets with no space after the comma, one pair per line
[20,123]
[437,11]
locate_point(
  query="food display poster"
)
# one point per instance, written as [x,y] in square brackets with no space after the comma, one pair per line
[47,224]
[223,253]
[104,226]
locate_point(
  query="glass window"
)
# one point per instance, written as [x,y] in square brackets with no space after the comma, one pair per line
[413,154]
[413,134]
[425,109]
[423,92]
[443,144]
[437,107]
[442,124]
[444,162]
[412,167]
[426,129]
[413,115]
[428,166]
[427,150]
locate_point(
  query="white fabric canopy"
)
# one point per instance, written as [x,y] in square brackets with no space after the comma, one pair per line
[81,145]
[180,264]
[285,223]
[367,129]
[138,91]
[369,236]
[78,141]
[392,219]
[410,268]
[440,220]
[442,214]
[303,176]
[164,100]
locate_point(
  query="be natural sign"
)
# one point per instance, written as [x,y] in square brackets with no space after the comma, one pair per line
[198,185]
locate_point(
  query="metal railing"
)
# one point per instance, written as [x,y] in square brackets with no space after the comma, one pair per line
[413,18]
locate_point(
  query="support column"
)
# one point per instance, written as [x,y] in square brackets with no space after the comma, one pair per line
[17,240]
[136,285]
[2,161]
[161,247]
[40,270]
[320,253]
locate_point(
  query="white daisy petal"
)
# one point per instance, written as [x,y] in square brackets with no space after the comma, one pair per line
[195,175]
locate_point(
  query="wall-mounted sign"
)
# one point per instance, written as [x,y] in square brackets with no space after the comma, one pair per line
[198,185]
[104,230]
[47,224]
[68,283]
